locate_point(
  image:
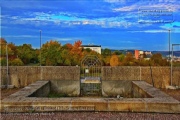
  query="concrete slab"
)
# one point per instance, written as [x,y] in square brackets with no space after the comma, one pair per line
[22,102]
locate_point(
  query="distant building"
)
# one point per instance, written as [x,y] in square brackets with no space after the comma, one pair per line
[136,53]
[140,54]
[148,53]
[96,48]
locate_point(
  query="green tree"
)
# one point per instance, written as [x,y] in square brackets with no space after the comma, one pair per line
[106,52]
[88,50]
[117,52]
[26,53]
[121,57]
[51,53]
[66,58]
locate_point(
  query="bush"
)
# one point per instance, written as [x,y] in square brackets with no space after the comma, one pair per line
[16,62]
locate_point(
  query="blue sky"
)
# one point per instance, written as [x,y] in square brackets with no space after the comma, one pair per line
[114,24]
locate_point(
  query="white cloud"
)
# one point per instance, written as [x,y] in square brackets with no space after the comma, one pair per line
[155,31]
[126,8]
[116,1]
[127,41]
[173,7]
[21,36]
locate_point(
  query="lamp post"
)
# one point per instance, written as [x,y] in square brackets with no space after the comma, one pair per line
[169,55]
[169,44]
[40,56]
[40,47]
[7,65]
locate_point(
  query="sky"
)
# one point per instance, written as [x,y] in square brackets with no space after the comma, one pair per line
[113,24]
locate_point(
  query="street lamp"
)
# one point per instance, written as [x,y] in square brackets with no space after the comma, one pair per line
[40,54]
[169,44]
[40,47]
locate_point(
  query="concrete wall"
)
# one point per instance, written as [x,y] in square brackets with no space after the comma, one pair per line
[160,75]
[70,87]
[114,88]
[42,91]
[138,92]
[25,75]
[21,76]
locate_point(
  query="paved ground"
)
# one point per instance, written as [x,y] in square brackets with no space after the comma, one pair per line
[89,115]
[7,92]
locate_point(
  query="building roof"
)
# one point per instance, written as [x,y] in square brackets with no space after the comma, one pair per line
[91,45]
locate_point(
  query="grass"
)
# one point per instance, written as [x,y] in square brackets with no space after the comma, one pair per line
[33,64]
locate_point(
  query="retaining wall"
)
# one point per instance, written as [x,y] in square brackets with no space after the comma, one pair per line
[113,88]
[67,87]
[21,76]
[160,75]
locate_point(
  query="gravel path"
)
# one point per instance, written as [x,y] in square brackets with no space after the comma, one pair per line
[89,116]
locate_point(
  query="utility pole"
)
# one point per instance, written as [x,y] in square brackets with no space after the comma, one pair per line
[40,47]
[169,44]
[40,57]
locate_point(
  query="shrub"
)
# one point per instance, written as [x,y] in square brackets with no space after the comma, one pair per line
[16,62]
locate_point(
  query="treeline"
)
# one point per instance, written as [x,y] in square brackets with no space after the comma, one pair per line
[52,53]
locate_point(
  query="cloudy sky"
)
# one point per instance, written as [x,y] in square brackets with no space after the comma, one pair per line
[114,24]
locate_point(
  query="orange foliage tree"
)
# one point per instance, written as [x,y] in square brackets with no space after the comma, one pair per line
[114,61]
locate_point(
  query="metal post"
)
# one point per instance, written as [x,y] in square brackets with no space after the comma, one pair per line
[40,47]
[7,65]
[169,52]
[40,55]
[169,45]
[171,63]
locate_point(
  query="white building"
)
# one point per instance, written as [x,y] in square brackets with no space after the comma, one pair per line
[96,48]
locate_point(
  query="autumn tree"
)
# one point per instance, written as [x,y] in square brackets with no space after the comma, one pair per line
[76,53]
[51,53]
[11,49]
[114,61]
[128,60]
[3,43]
[3,46]
[158,60]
